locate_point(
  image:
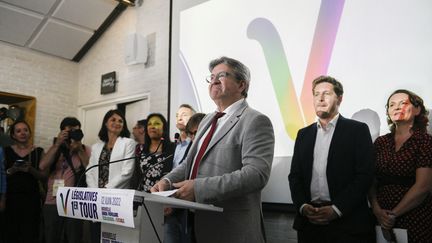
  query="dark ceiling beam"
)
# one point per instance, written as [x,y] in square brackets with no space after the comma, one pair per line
[99,32]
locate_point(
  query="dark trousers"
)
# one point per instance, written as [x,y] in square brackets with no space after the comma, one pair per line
[312,233]
[95,232]
[22,218]
[176,228]
[2,227]
[61,229]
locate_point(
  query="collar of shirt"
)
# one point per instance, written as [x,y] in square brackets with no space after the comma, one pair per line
[231,109]
[184,142]
[332,123]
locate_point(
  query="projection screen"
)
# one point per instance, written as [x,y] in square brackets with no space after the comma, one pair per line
[372,47]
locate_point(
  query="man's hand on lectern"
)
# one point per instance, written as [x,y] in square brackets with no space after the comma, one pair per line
[161,186]
[185,190]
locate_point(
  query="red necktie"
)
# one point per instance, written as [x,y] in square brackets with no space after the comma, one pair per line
[205,144]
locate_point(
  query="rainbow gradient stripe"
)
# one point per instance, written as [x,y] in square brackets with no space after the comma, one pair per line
[266,34]
[321,51]
[297,114]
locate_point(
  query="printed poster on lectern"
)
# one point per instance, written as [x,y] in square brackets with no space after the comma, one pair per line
[112,206]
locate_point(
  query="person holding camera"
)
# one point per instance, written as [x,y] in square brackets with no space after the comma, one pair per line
[23,196]
[65,161]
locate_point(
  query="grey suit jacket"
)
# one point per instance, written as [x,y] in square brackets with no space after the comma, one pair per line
[233,171]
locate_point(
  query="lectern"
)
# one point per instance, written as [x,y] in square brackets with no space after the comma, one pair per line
[126,215]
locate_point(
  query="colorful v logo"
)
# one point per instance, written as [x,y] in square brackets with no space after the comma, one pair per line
[295,115]
[64,201]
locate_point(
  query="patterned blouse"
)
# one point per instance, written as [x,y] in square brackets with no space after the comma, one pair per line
[153,168]
[104,169]
[396,171]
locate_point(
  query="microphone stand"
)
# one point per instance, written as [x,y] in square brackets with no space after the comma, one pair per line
[107,163]
[119,160]
[143,203]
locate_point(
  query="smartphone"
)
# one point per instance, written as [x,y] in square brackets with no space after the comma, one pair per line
[19,162]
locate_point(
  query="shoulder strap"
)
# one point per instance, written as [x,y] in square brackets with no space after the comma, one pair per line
[69,161]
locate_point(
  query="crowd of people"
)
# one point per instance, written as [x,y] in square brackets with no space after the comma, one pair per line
[342,182]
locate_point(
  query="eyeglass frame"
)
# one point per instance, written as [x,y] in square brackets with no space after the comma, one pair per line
[209,79]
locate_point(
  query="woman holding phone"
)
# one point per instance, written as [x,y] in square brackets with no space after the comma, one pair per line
[23,197]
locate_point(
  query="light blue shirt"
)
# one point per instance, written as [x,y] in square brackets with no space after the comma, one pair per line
[180,150]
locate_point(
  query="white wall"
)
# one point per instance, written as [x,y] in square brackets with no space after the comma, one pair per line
[62,86]
[108,55]
[51,80]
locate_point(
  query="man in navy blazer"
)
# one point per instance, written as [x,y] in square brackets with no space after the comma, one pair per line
[331,173]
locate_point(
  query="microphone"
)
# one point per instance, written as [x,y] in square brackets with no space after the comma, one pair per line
[177,138]
[143,155]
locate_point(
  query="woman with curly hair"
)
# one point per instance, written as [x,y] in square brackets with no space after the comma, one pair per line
[401,196]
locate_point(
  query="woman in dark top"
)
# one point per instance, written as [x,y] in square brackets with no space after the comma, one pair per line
[156,159]
[401,197]
[23,197]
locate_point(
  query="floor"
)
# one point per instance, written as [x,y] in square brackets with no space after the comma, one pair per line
[278,226]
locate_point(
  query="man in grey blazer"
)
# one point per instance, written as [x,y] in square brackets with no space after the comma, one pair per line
[235,166]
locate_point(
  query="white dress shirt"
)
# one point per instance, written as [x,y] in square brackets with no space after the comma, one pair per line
[319,186]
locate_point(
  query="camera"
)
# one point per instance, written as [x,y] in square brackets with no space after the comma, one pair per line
[76,135]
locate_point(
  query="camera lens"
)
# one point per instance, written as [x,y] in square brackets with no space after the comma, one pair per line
[76,135]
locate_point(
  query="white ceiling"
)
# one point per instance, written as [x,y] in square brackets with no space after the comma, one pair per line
[56,27]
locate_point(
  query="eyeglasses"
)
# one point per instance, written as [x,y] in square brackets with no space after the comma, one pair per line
[219,77]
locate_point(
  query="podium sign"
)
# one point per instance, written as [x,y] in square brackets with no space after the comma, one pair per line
[111,206]
[140,213]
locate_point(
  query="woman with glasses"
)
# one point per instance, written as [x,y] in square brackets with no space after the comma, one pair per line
[401,196]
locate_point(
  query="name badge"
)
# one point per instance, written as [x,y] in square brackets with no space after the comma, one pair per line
[57,183]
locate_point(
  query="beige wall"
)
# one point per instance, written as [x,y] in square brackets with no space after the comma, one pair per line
[51,80]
